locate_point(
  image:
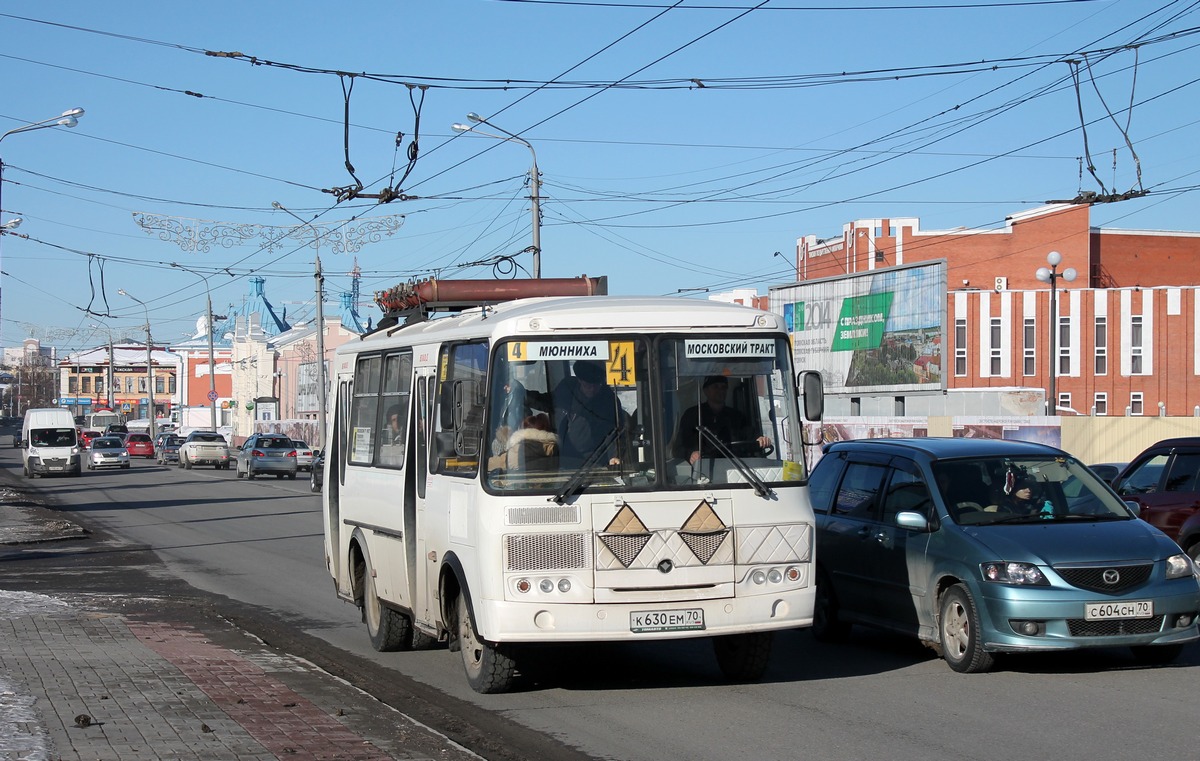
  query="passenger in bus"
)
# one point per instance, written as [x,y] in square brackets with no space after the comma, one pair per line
[533,446]
[713,413]
[509,411]
[587,411]
[391,450]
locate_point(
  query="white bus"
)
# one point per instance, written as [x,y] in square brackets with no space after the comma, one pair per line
[540,471]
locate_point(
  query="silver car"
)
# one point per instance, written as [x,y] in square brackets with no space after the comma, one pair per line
[304,455]
[204,448]
[107,452]
[267,453]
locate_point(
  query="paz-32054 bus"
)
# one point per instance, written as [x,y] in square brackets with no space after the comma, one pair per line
[572,469]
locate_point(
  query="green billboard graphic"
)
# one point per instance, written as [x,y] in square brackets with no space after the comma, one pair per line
[860,325]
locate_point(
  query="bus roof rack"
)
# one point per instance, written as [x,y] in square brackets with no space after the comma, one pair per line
[414,301]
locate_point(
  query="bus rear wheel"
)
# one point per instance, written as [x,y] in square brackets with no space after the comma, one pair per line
[489,669]
[390,630]
[743,657]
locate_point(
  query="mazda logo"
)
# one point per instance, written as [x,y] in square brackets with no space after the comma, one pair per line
[665,565]
[1111,576]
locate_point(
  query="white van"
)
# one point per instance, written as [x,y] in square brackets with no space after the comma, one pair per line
[50,443]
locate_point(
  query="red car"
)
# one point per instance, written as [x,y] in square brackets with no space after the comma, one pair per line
[140,445]
[85,438]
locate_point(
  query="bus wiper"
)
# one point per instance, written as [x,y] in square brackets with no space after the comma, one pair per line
[760,487]
[589,462]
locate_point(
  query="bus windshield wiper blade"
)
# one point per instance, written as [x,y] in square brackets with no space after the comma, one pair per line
[588,463]
[760,486]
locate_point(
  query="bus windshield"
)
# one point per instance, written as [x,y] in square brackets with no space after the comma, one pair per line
[641,412]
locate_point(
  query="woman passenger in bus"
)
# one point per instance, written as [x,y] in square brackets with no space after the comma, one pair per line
[533,446]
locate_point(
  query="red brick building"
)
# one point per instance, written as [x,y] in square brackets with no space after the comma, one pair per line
[1126,332]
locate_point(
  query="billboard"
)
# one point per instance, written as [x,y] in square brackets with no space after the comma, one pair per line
[878,332]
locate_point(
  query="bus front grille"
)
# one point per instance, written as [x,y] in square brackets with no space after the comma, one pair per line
[546,552]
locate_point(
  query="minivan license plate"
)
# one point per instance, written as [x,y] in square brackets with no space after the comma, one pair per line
[691,619]
[1101,611]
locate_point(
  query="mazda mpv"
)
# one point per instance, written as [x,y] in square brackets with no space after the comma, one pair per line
[979,547]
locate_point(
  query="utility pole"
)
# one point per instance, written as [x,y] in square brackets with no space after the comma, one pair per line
[321,386]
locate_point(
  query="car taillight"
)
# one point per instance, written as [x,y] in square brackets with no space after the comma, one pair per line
[292,453]
[257,453]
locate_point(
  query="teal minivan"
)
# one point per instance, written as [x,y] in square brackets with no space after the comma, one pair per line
[985,546]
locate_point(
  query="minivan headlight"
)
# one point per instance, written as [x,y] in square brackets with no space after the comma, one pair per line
[1024,574]
[1179,565]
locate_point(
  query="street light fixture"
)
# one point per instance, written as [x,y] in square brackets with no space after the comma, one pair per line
[68,118]
[212,364]
[796,265]
[534,180]
[1051,275]
[149,364]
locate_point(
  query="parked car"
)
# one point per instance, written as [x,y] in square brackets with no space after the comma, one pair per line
[1164,481]
[86,436]
[304,455]
[267,453]
[982,546]
[107,452]
[204,448]
[1107,471]
[316,475]
[140,445]
[168,449]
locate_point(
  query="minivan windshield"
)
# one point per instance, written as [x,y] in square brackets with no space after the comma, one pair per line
[52,437]
[1005,490]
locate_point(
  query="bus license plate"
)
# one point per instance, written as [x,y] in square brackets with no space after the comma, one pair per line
[691,619]
[1101,611]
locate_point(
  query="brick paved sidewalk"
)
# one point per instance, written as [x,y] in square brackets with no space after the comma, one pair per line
[82,683]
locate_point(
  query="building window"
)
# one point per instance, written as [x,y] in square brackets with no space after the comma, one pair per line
[129,381]
[997,346]
[86,388]
[1100,403]
[1064,345]
[1101,346]
[1135,345]
[72,385]
[100,385]
[141,386]
[960,347]
[160,384]
[1064,400]
[1030,340]
[1135,403]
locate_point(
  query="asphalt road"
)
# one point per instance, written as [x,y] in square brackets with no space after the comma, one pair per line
[254,549]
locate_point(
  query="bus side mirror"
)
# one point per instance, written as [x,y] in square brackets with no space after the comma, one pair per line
[812,388]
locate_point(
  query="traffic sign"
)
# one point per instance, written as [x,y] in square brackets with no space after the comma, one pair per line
[212,396]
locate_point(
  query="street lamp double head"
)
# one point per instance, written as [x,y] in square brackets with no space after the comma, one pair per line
[1051,275]
[68,118]
[149,363]
[212,365]
[534,180]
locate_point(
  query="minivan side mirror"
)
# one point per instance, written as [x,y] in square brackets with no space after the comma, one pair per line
[912,520]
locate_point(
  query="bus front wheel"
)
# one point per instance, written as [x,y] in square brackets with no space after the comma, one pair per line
[489,669]
[743,657]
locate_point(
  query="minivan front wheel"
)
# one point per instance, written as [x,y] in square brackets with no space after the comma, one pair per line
[959,629]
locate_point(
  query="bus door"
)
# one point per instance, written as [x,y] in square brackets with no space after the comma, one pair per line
[425,601]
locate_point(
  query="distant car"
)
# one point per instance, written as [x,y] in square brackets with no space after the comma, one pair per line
[163,436]
[112,428]
[107,452]
[304,455]
[167,450]
[267,453]
[140,445]
[1107,470]
[204,448]
[316,475]
[985,546]
[1164,481]
[85,438]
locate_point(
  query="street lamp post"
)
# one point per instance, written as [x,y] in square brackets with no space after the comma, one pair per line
[319,279]
[68,118]
[795,265]
[149,363]
[1051,275]
[535,181]
[212,365]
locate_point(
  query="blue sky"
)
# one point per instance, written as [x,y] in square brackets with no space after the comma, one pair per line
[956,112]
